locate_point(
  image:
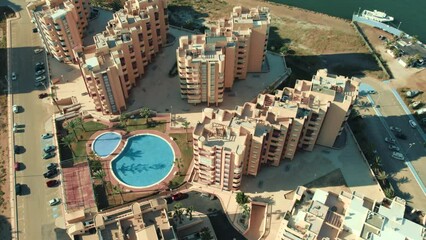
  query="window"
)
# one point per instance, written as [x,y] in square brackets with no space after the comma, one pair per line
[148,26]
[150,42]
[140,37]
[131,50]
[156,16]
[122,61]
[134,66]
[158,32]
[143,55]
[126,77]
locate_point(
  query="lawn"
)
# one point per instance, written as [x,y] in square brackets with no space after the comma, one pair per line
[79,147]
[140,124]
[185,147]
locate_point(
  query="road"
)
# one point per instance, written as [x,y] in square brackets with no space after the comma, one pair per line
[392,113]
[36,219]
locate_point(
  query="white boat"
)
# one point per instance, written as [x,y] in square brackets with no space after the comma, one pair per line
[376,16]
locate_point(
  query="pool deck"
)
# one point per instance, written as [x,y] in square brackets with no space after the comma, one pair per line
[163,185]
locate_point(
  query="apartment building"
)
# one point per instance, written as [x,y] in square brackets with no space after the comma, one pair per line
[210,62]
[229,144]
[324,215]
[120,54]
[61,25]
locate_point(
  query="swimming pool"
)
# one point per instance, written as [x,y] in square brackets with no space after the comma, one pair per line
[145,160]
[106,143]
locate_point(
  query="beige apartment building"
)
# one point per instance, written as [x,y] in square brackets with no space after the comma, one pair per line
[324,215]
[118,58]
[210,62]
[61,25]
[229,144]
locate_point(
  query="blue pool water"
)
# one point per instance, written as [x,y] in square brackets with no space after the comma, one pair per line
[106,143]
[146,160]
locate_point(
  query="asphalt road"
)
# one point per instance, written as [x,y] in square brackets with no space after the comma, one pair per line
[35,217]
[401,177]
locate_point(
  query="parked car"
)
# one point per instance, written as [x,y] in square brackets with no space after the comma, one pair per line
[49,148]
[52,183]
[178,196]
[13,76]
[40,72]
[416,104]
[395,129]
[389,140]
[17,149]
[398,156]
[48,155]
[412,123]
[17,166]
[40,78]
[51,173]
[43,95]
[51,166]
[35,30]
[46,135]
[412,93]
[400,135]
[39,66]
[393,148]
[15,108]
[54,201]
[18,189]
[372,92]
[38,50]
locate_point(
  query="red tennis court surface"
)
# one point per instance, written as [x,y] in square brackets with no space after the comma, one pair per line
[78,187]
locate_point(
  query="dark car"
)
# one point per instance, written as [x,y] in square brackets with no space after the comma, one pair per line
[39,66]
[18,189]
[48,155]
[400,136]
[51,166]
[50,148]
[17,149]
[42,95]
[52,183]
[17,166]
[179,196]
[35,30]
[50,173]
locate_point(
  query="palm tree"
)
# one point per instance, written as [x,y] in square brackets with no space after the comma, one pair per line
[206,234]
[68,140]
[189,211]
[116,189]
[178,212]
[145,113]
[377,162]
[382,175]
[72,126]
[100,175]
[79,121]
[246,210]
[186,125]
[389,193]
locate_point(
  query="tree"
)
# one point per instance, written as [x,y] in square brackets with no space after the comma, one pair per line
[389,193]
[186,125]
[68,140]
[414,39]
[177,163]
[206,234]
[178,212]
[116,189]
[145,113]
[241,198]
[95,165]
[100,175]
[72,126]
[189,212]
[382,175]
[79,121]
[123,119]
[246,210]
[377,162]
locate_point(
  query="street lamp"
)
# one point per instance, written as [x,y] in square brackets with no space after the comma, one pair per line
[171,115]
[411,144]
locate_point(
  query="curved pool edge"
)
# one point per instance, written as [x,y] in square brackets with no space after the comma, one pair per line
[125,144]
[101,134]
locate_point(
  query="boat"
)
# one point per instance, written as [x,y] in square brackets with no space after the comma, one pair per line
[376,16]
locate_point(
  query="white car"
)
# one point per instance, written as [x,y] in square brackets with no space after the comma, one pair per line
[54,201]
[412,123]
[13,76]
[398,156]
[38,50]
[40,72]
[389,140]
[395,129]
[15,108]
[40,79]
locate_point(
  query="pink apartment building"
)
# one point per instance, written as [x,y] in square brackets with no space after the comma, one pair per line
[118,58]
[61,25]
[210,62]
[228,144]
